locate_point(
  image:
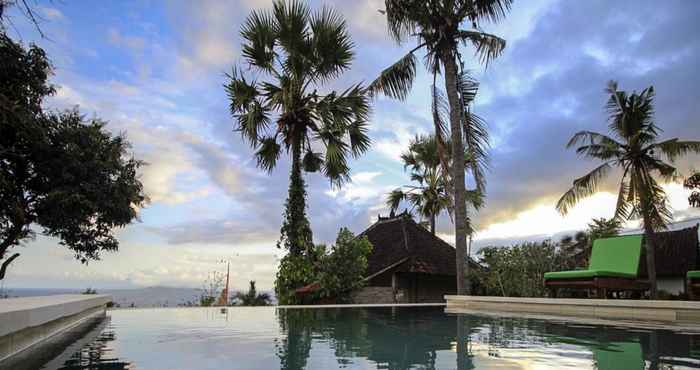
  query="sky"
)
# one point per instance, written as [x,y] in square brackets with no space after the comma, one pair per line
[155,71]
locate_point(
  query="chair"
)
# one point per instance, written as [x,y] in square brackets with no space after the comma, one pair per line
[614,266]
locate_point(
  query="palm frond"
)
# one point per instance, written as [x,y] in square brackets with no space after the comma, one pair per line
[268,153]
[492,10]
[335,166]
[258,32]
[582,187]
[395,198]
[487,47]
[623,206]
[674,148]
[396,81]
[332,47]
[254,120]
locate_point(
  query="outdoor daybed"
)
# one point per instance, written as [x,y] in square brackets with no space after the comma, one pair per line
[693,281]
[614,266]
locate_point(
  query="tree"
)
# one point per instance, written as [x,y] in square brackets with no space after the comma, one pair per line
[582,242]
[294,53]
[211,287]
[436,26]
[518,270]
[58,170]
[633,147]
[343,268]
[252,297]
[431,196]
[693,183]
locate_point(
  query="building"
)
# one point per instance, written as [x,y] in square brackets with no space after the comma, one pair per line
[408,264]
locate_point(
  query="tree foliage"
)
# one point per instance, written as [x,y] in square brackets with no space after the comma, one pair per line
[518,271]
[343,267]
[58,170]
[336,272]
[252,297]
[633,146]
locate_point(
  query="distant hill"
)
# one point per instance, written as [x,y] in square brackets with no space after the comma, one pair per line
[157,296]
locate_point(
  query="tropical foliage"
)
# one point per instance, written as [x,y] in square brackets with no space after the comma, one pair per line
[633,146]
[518,271]
[343,267]
[337,270]
[252,297]
[61,175]
[577,248]
[693,183]
[431,196]
[436,26]
[291,53]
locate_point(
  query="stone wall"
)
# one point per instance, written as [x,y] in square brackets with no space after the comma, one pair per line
[373,294]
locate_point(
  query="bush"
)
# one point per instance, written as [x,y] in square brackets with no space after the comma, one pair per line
[343,269]
[518,271]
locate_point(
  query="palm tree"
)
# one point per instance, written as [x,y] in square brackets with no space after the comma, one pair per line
[293,53]
[431,196]
[634,148]
[436,26]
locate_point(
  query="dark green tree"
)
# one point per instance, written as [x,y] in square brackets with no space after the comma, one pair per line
[252,297]
[437,27]
[59,172]
[633,147]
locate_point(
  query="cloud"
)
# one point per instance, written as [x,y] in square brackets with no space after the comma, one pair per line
[136,44]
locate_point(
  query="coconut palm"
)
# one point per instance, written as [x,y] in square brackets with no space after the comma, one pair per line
[431,196]
[436,26]
[633,147]
[291,53]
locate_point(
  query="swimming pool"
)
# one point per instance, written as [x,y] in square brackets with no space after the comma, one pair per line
[365,338]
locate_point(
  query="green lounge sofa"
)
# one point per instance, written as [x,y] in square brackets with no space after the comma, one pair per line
[613,266]
[692,279]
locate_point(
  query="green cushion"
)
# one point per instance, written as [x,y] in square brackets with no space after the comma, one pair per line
[610,257]
[619,254]
[581,274]
[619,356]
[694,274]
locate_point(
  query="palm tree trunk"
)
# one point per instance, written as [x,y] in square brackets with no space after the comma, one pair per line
[432,224]
[649,242]
[297,225]
[459,189]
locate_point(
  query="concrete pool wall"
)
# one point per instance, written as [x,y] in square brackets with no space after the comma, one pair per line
[27,322]
[674,312]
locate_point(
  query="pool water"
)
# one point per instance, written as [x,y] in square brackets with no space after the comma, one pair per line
[365,338]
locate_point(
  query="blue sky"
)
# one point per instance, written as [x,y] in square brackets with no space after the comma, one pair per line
[155,71]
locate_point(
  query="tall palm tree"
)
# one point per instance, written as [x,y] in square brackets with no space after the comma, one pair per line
[436,26]
[633,147]
[291,53]
[431,196]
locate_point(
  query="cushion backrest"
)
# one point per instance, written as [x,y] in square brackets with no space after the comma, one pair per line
[619,254]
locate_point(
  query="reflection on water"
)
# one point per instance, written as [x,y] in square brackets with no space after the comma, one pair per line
[369,338]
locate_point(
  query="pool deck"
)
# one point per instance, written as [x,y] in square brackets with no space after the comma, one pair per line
[678,313]
[27,322]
